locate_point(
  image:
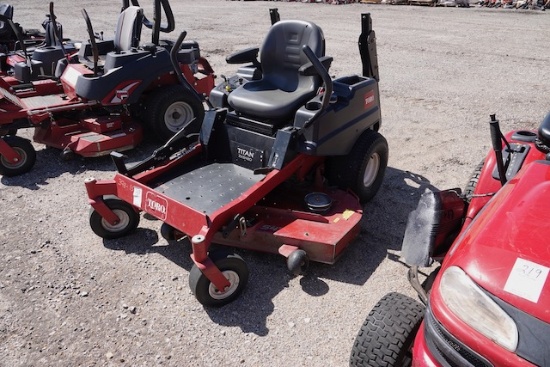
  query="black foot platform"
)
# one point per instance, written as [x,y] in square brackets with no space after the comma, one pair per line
[210,187]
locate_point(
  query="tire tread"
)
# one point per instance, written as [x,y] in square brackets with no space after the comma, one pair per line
[388,332]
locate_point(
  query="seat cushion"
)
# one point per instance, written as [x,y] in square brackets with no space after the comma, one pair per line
[262,99]
[282,89]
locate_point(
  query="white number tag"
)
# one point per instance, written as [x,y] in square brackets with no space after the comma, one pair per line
[526,279]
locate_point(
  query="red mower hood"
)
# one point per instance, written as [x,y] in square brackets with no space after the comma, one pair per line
[506,250]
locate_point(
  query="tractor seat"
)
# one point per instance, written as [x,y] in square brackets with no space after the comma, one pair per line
[50,39]
[128,28]
[282,89]
[5,29]
[127,36]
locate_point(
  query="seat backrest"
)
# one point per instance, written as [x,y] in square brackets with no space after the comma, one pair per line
[281,53]
[51,39]
[128,28]
[5,29]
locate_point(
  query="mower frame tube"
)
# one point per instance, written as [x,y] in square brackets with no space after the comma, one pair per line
[205,264]
[96,191]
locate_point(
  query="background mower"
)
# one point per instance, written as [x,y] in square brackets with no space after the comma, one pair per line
[281,166]
[488,302]
[14,39]
[27,59]
[104,98]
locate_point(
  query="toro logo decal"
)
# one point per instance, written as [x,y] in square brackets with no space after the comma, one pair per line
[156,205]
[369,99]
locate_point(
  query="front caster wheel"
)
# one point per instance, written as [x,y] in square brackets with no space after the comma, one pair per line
[26,160]
[170,233]
[297,262]
[128,220]
[232,267]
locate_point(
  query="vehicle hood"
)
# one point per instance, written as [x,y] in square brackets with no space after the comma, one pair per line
[506,249]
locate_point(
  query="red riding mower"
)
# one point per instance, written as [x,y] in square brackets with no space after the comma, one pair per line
[14,37]
[106,95]
[36,58]
[281,166]
[488,303]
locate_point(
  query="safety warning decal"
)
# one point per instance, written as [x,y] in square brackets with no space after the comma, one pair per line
[136,197]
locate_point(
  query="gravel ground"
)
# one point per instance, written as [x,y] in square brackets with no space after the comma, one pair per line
[68,298]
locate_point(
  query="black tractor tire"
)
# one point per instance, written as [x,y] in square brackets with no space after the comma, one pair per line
[387,335]
[28,157]
[172,108]
[472,182]
[167,232]
[129,220]
[234,269]
[362,170]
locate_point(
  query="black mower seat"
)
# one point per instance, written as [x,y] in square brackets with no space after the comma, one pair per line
[50,39]
[5,29]
[282,89]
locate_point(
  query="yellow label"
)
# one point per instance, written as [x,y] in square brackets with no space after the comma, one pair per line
[347,214]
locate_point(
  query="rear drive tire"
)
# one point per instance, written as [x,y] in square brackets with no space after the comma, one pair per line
[387,335]
[27,154]
[362,170]
[171,109]
[127,215]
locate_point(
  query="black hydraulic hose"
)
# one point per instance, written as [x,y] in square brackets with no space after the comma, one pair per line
[496,140]
[159,5]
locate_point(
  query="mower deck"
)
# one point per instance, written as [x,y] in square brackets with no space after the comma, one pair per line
[91,138]
[278,222]
[282,222]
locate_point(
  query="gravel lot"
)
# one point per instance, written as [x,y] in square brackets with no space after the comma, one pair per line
[68,298]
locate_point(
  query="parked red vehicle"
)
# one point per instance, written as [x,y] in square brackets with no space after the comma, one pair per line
[489,304]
